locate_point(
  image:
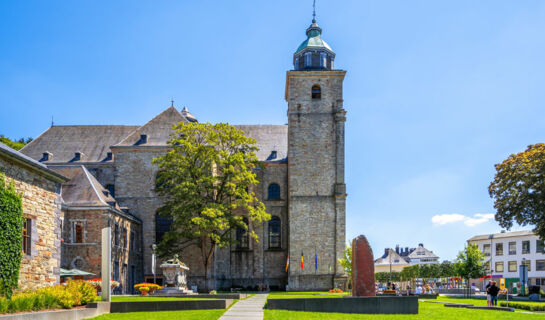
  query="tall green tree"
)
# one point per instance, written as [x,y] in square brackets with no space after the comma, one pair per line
[14,144]
[469,262]
[11,226]
[518,189]
[447,269]
[346,262]
[205,180]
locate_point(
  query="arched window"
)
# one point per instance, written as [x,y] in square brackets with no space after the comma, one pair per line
[316,92]
[275,232]
[162,226]
[274,192]
[242,236]
[111,189]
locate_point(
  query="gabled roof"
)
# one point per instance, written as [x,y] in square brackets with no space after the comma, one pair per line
[391,257]
[422,252]
[269,138]
[93,142]
[83,190]
[157,130]
[27,161]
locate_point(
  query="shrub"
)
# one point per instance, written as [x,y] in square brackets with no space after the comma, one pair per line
[213,292]
[82,291]
[11,224]
[336,290]
[535,306]
[4,305]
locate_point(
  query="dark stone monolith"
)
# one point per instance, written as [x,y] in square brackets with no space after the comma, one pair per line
[363,268]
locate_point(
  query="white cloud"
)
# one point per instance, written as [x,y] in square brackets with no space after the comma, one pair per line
[478,218]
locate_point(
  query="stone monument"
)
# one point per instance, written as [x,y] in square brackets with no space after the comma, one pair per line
[174,272]
[363,268]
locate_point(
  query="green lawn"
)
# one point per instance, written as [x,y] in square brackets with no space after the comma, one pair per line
[163,315]
[426,311]
[140,298]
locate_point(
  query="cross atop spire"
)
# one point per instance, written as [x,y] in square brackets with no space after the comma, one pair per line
[172,102]
[314,11]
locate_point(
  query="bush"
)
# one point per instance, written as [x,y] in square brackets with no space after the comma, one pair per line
[336,290]
[4,305]
[82,292]
[213,292]
[11,225]
[151,287]
[531,306]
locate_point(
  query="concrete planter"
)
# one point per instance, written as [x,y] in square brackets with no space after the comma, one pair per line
[92,310]
[363,305]
[151,306]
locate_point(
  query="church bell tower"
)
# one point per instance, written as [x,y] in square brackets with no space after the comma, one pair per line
[316,184]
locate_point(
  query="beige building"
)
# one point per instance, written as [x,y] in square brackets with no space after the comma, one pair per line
[40,189]
[390,261]
[302,182]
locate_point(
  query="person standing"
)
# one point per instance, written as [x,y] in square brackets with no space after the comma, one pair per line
[493,289]
[488,298]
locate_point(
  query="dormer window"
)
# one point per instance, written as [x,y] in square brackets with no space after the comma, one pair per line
[77,156]
[46,156]
[316,92]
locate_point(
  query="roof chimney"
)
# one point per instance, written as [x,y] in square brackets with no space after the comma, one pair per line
[397,248]
[420,244]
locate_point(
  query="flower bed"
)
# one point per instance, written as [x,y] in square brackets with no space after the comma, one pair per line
[145,287]
[73,293]
[97,284]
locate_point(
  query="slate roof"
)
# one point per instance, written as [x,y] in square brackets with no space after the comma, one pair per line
[503,235]
[396,259]
[269,138]
[83,189]
[157,130]
[17,156]
[64,141]
[422,252]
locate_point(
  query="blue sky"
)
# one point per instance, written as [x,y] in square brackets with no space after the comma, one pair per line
[437,92]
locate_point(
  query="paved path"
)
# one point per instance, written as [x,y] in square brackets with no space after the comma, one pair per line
[247,309]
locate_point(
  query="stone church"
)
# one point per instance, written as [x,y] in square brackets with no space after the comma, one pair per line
[302,185]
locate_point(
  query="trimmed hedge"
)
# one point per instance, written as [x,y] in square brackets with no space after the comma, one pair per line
[74,293]
[531,306]
[11,225]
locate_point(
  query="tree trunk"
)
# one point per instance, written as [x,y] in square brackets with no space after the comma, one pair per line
[206,255]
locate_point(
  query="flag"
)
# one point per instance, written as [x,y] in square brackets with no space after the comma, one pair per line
[287,263]
[329,263]
[302,264]
[315,261]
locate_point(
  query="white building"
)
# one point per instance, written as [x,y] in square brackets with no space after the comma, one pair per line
[506,251]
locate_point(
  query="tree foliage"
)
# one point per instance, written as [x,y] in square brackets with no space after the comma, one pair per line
[469,262]
[14,144]
[205,180]
[346,262]
[11,224]
[518,189]
[384,277]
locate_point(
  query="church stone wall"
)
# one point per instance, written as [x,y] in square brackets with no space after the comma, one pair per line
[315,171]
[41,203]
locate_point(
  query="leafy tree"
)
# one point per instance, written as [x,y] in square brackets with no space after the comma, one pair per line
[346,262]
[384,277]
[11,224]
[16,144]
[518,189]
[447,269]
[204,179]
[469,262]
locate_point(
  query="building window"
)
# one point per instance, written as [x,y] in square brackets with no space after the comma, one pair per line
[526,247]
[111,189]
[540,265]
[486,250]
[78,232]
[527,263]
[499,266]
[132,244]
[512,266]
[275,229]
[116,270]
[323,60]
[116,234]
[124,235]
[162,226]
[316,92]
[274,191]
[27,236]
[540,245]
[308,59]
[242,236]
[512,248]
[296,63]
[499,249]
